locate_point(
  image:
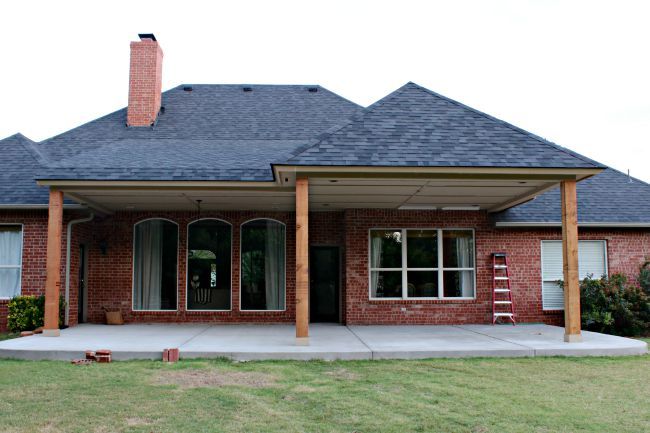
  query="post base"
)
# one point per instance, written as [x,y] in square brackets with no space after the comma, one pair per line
[302,341]
[51,332]
[572,338]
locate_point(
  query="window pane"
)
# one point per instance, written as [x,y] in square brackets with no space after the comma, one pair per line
[458,249]
[458,284]
[10,255]
[386,284]
[262,265]
[552,296]
[422,248]
[155,265]
[423,284]
[385,249]
[10,245]
[9,282]
[591,261]
[208,265]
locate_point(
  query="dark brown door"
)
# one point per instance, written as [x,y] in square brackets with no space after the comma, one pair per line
[324,284]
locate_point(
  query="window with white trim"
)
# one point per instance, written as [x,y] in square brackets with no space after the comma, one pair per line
[421,263]
[11,255]
[592,260]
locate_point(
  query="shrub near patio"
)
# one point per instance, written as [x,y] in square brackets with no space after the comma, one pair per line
[615,305]
[26,313]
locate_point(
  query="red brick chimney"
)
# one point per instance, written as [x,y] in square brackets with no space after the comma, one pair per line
[145,81]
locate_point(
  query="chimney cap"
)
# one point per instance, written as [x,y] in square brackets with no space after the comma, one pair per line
[144,36]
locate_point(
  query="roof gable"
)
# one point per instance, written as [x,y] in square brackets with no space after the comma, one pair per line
[18,167]
[414,126]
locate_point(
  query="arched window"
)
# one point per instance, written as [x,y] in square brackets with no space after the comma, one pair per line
[208,265]
[155,265]
[262,265]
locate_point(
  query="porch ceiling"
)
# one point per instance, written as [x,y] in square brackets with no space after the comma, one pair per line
[331,192]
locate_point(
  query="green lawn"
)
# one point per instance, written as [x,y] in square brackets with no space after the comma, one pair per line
[8,335]
[468,395]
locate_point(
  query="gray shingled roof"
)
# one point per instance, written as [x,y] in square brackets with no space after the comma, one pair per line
[608,197]
[18,167]
[214,132]
[414,126]
[219,132]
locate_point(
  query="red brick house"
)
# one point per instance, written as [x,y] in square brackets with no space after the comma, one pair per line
[259,203]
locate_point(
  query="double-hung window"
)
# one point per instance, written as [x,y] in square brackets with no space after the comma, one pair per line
[11,253]
[421,263]
[592,260]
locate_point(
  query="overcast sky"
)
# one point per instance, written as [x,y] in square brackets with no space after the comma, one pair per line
[574,72]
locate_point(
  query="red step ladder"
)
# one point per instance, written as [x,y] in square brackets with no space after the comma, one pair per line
[502,305]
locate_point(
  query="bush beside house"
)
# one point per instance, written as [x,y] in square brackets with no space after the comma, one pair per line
[614,305]
[26,313]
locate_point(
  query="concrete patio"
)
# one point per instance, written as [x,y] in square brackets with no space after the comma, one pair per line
[327,342]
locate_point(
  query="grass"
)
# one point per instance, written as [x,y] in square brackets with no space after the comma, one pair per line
[8,335]
[464,395]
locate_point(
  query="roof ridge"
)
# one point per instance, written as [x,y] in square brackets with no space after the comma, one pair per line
[511,126]
[315,141]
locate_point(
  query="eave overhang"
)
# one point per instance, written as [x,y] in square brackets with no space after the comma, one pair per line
[331,188]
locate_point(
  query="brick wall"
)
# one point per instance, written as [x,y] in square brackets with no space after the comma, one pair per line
[626,250]
[34,224]
[110,276]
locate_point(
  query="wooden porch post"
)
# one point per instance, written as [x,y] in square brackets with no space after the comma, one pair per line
[302,261]
[53,276]
[570,262]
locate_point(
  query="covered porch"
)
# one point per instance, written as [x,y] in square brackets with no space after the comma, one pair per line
[327,342]
[301,190]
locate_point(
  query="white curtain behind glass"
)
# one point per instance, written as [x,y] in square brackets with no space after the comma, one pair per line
[375,262]
[147,279]
[10,261]
[464,261]
[274,266]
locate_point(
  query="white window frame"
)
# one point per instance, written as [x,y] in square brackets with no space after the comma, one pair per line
[404,269]
[20,266]
[241,226]
[541,263]
[187,252]
[178,245]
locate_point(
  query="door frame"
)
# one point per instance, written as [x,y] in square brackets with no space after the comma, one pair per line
[339,249]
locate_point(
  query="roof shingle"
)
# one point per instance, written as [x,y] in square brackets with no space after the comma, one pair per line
[608,197]
[414,126]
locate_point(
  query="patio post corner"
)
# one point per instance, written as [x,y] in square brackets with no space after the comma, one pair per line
[302,261]
[53,266]
[572,318]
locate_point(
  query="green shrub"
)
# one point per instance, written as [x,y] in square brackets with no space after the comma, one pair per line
[26,313]
[613,306]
